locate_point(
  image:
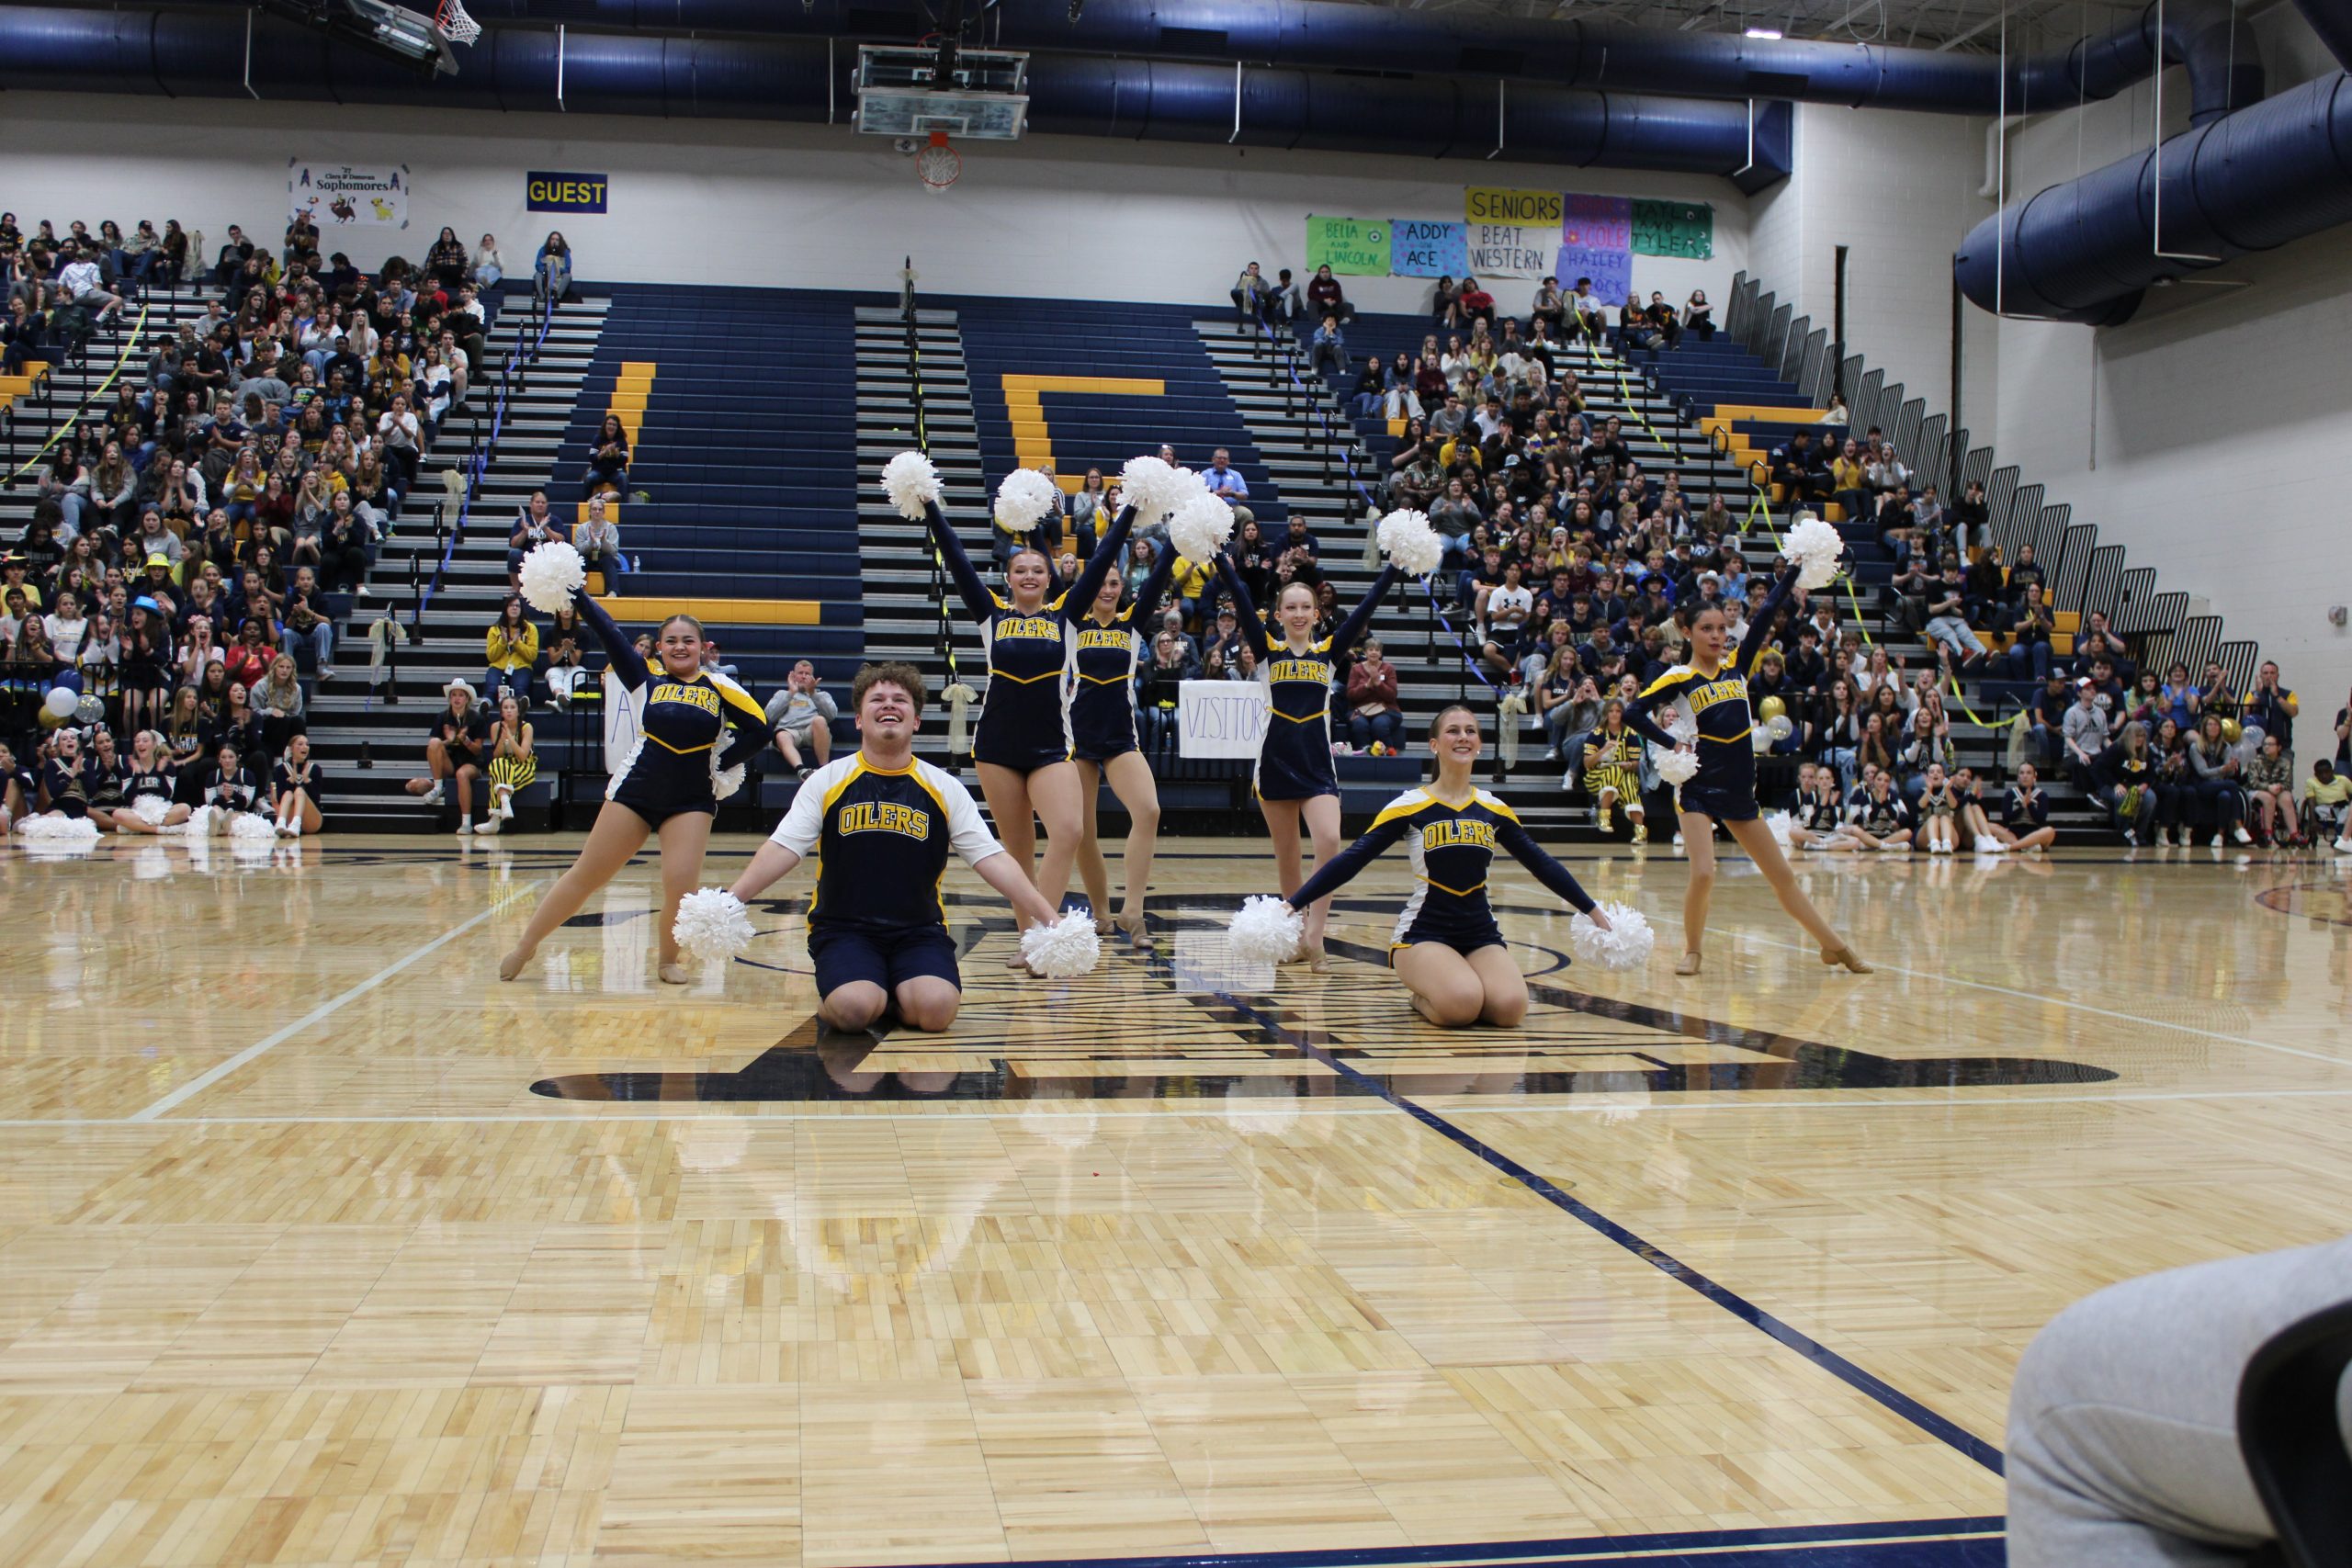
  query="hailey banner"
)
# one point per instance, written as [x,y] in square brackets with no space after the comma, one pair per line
[1357,245]
[347,195]
[1596,242]
[1674,228]
[1520,233]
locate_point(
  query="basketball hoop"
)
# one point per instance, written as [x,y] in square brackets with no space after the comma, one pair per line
[938,165]
[453,24]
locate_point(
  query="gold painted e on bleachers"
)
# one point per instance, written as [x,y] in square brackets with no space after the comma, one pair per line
[1033,444]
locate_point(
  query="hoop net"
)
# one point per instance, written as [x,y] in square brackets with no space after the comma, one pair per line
[938,165]
[453,24]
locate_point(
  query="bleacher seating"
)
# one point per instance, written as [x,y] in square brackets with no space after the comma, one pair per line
[749,516]
[744,504]
[1103,426]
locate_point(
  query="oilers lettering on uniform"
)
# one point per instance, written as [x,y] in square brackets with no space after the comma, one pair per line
[1042,627]
[1313,671]
[700,696]
[1731,688]
[883,817]
[1458,833]
[1117,639]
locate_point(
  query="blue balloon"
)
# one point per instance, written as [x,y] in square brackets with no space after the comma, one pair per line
[70,679]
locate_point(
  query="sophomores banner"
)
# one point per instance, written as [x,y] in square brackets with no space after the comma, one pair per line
[348,196]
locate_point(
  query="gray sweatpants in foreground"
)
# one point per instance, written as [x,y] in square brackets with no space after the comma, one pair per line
[2123,1444]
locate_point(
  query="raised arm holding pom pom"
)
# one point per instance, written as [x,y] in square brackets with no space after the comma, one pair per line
[695,725]
[1709,698]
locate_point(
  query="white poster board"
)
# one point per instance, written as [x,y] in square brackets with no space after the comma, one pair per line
[1221,718]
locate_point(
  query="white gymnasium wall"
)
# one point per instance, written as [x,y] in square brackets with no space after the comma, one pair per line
[1898,190]
[2211,436]
[736,202]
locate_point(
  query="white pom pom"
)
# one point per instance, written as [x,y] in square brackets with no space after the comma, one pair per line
[1678,768]
[1265,929]
[1780,822]
[1025,496]
[1201,527]
[909,482]
[1066,947]
[726,781]
[199,824]
[245,825]
[1625,945]
[713,925]
[63,831]
[1155,488]
[550,575]
[1816,547]
[1412,544]
[151,809]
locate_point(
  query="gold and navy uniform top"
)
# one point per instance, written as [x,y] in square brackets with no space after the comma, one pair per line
[1716,708]
[1032,664]
[1452,848]
[1295,758]
[882,837]
[136,784]
[1102,712]
[1881,815]
[1818,812]
[689,729]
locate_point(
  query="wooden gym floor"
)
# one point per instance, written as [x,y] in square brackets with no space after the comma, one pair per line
[318,1246]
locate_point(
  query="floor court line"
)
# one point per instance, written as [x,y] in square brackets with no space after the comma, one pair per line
[1869,1384]
[1219,1109]
[206,1080]
[1618,1547]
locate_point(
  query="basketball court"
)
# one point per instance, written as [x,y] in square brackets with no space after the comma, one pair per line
[348,1253]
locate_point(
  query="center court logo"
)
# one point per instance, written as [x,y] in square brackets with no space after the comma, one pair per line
[1184,1041]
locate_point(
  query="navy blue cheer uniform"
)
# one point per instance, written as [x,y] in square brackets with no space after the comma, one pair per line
[69,788]
[1102,713]
[683,728]
[136,784]
[1295,761]
[882,838]
[1725,785]
[1025,722]
[1452,847]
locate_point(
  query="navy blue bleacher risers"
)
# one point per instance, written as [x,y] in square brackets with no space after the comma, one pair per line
[742,450]
[1103,429]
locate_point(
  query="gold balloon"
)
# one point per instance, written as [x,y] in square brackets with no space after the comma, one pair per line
[1773,708]
[2231,730]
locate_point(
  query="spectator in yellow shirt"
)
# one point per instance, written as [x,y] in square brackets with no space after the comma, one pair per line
[511,649]
[2327,795]
[1848,478]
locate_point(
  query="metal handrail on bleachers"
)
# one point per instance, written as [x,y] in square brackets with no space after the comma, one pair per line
[1284,359]
[513,376]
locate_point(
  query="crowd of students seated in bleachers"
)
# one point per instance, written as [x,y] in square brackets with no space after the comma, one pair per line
[196,536]
[1580,573]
